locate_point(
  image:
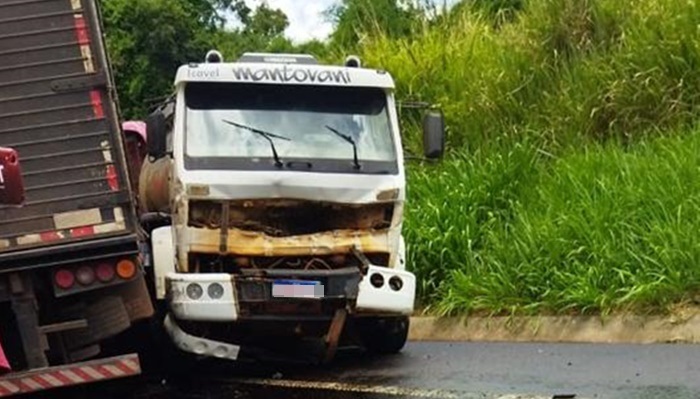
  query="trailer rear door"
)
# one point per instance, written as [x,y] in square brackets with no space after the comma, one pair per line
[57,109]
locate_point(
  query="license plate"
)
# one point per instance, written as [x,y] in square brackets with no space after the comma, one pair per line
[297,289]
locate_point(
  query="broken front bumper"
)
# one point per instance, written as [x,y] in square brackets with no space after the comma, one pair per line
[249,296]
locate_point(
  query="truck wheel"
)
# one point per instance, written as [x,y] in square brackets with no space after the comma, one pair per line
[384,335]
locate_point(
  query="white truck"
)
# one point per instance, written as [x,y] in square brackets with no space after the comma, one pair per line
[284,183]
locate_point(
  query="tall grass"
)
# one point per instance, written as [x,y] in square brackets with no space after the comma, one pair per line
[453,207]
[564,71]
[572,183]
[594,230]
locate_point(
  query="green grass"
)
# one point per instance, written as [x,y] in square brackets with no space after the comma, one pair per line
[595,230]
[563,72]
[572,183]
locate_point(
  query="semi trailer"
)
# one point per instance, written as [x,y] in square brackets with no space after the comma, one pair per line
[70,267]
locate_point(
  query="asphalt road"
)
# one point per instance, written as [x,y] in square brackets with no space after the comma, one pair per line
[452,370]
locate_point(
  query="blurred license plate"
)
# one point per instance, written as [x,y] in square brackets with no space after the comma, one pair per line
[297,289]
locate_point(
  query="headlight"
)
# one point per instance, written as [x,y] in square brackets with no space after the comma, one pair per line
[396,283]
[194,291]
[215,291]
[377,280]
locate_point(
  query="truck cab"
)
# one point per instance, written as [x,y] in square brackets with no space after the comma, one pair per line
[284,180]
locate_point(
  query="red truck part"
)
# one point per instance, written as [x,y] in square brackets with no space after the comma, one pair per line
[4,364]
[135,139]
[11,182]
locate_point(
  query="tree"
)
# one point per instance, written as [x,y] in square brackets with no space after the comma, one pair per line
[265,22]
[261,28]
[353,18]
[149,39]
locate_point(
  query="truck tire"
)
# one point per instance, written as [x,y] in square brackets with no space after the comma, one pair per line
[385,335]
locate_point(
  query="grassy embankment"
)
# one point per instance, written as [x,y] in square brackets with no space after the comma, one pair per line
[573,179]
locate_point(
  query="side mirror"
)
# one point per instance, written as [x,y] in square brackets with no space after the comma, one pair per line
[156,135]
[11,182]
[433,135]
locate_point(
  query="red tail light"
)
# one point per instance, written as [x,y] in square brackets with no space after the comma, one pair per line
[64,279]
[105,272]
[74,279]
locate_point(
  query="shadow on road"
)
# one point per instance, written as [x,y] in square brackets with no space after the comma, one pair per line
[213,379]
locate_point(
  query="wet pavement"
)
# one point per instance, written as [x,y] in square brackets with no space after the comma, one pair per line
[444,370]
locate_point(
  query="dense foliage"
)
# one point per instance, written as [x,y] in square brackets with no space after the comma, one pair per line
[149,39]
[572,185]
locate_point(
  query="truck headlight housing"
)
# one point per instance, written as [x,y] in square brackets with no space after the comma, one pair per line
[194,291]
[215,291]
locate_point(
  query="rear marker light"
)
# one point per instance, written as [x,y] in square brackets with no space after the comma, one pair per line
[126,269]
[105,272]
[85,275]
[64,279]
[377,280]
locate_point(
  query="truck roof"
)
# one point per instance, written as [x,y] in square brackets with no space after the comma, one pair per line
[284,73]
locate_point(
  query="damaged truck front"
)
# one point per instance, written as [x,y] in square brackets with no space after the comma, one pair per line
[284,183]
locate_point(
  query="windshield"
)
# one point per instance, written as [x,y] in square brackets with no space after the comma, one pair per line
[247,126]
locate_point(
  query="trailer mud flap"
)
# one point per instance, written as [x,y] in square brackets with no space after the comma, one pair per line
[72,374]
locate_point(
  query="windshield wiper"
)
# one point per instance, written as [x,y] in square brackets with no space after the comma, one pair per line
[349,139]
[266,135]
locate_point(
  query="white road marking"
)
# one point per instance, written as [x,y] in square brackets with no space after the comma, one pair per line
[520,396]
[396,391]
[345,387]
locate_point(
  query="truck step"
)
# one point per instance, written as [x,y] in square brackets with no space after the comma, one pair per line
[70,374]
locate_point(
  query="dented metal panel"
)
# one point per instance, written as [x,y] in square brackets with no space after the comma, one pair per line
[255,243]
[283,217]
[356,217]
